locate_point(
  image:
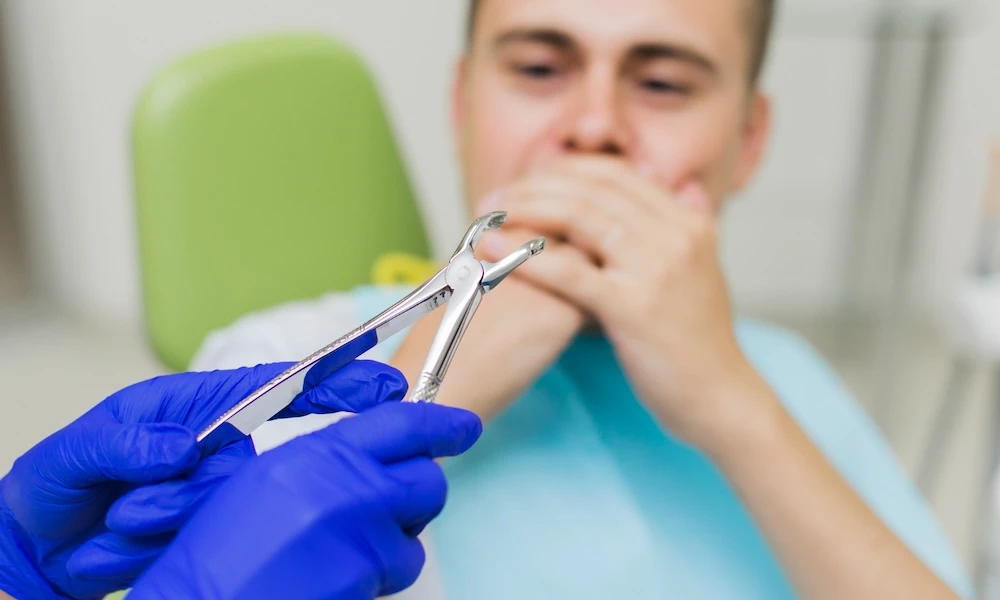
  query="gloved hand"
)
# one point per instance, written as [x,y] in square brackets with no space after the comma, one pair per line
[93,505]
[333,514]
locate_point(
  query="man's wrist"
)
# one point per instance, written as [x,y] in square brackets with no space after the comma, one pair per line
[747,415]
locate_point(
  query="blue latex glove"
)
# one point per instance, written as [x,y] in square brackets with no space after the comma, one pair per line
[333,514]
[90,507]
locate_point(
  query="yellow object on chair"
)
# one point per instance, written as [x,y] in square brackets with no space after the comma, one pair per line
[265,171]
[397,268]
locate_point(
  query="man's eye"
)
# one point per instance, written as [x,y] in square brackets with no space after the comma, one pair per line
[663,86]
[536,71]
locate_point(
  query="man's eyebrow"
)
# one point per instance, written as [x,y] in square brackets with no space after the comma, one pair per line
[549,37]
[644,51]
[651,51]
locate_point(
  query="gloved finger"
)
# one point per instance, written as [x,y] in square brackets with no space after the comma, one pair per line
[400,431]
[64,485]
[197,399]
[421,493]
[143,453]
[80,457]
[165,507]
[403,565]
[194,400]
[358,386]
[111,562]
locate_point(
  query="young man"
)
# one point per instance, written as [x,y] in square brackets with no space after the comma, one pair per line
[641,444]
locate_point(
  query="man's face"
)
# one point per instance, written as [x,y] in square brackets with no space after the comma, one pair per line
[662,84]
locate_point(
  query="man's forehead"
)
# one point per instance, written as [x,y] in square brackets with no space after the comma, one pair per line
[708,25]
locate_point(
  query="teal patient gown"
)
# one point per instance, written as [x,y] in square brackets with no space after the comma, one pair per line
[575,492]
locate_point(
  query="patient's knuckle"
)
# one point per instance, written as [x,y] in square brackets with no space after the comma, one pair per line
[705,233]
[631,300]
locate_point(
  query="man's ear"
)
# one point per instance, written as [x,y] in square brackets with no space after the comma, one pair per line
[756,133]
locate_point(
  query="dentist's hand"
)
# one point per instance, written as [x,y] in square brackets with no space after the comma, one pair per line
[644,263]
[333,514]
[89,508]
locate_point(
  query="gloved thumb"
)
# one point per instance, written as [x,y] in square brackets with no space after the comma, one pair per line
[136,453]
[67,468]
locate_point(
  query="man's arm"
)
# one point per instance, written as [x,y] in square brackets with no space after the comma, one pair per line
[654,283]
[828,540]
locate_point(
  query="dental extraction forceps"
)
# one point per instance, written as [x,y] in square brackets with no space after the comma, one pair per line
[463,281]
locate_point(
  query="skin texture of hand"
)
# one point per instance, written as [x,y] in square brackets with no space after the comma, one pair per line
[518,331]
[644,264]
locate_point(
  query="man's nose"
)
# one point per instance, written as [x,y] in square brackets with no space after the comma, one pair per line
[596,121]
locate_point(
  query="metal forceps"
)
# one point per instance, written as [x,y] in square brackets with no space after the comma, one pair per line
[463,282]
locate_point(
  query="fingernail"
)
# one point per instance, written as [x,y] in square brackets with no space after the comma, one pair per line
[493,245]
[490,203]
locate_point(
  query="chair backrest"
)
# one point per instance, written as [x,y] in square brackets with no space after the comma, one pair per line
[265,171]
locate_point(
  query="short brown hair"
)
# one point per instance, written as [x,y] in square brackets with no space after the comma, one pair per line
[763,21]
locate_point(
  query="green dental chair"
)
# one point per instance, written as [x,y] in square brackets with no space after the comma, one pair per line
[265,171]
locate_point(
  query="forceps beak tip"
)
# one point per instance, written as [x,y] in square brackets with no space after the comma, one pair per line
[493,220]
[496,272]
[535,246]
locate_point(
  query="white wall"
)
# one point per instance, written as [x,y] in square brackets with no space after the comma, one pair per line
[77,67]
[970,124]
[799,199]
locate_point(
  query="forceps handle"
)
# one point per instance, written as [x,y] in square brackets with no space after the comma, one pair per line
[267,401]
[457,317]
[427,388]
[274,396]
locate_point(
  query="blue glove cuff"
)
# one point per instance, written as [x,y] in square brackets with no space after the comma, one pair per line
[19,577]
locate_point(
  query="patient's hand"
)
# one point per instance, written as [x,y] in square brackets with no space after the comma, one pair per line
[644,262]
[518,331]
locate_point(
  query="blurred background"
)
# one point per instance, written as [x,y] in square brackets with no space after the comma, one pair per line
[867,231]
